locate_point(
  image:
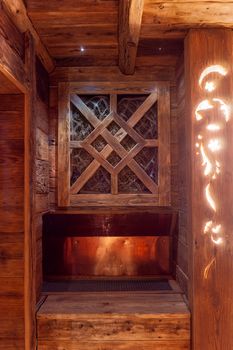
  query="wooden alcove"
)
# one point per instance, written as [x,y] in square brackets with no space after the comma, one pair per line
[173,227]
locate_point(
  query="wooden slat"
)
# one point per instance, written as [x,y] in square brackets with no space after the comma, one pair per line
[127,158]
[130,17]
[145,106]
[164,146]
[142,175]
[85,176]
[114,183]
[113,103]
[129,130]
[111,85]
[63,145]
[109,200]
[82,107]
[133,165]
[116,345]
[98,156]
[93,135]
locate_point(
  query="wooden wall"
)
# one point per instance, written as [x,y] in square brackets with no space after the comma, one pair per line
[11,221]
[181,239]
[41,187]
[23,175]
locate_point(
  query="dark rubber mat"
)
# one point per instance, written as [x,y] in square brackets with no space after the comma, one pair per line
[106,286]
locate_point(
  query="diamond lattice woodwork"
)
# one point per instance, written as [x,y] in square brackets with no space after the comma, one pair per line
[114,146]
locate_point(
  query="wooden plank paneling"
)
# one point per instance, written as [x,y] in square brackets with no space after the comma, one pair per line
[18,14]
[211,268]
[11,53]
[12,221]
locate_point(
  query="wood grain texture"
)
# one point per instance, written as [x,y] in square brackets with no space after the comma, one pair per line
[18,14]
[180,241]
[130,17]
[116,345]
[120,319]
[210,292]
[12,51]
[12,220]
[29,198]
[63,145]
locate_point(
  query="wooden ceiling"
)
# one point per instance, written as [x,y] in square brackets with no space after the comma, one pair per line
[85,32]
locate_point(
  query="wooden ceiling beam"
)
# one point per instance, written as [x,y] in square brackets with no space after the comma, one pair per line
[18,14]
[130,18]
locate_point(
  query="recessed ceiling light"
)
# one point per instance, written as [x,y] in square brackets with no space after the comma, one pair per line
[82,49]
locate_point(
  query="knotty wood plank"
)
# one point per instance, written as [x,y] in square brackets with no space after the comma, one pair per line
[130,17]
[63,145]
[115,316]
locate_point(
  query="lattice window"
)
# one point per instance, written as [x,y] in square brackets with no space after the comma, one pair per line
[116,146]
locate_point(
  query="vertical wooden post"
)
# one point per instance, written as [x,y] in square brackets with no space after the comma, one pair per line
[29,159]
[208,71]
[164,145]
[64,144]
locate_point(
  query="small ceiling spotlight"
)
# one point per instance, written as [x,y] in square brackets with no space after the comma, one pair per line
[82,49]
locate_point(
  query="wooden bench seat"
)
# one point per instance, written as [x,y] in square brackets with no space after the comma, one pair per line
[116,321]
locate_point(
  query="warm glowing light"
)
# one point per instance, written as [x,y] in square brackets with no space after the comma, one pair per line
[210,198]
[217,167]
[210,162]
[224,108]
[210,86]
[207,269]
[208,226]
[217,241]
[214,145]
[212,69]
[206,162]
[213,127]
[217,229]
[203,106]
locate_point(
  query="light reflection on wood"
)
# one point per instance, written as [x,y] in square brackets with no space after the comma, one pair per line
[116,256]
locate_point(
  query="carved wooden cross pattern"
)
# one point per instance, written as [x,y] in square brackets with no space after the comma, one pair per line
[115,153]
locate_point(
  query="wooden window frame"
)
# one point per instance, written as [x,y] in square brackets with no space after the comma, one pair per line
[160,195]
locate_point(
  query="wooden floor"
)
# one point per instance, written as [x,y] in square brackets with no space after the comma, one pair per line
[114,321]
